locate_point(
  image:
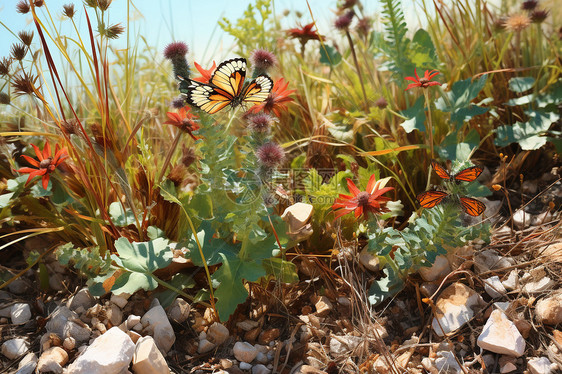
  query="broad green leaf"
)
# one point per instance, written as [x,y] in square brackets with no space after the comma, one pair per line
[231,291]
[458,100]
[282,270]
[5,199]
[415,115]
[120,217]
[38,191]
[212,248]
[341,132]
[201,204]
[17,184]
[168,191]
[521,84]
[130,282]
[329,55]
[179,281]
[386,287]
[154,232]
[144,257]
[529,135]
[452,149]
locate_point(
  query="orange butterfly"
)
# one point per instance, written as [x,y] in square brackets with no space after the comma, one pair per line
[465,175]
[470,206]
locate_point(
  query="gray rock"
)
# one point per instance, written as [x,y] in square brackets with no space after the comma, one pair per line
[245,366]
[19,286]
[341,345]
[217,333]
[27,364]
[148,359]
[111,352]
[205,346]
[52,360]
[156,324]
[446,362]
[455,307]
[14,348]
[490,259]
[83,299]
[245,352]
[132,321]
[20,313]
[494,287]
[260,369]
[540,365]
[512,280]
[120,300]
[179,310]
[501,336]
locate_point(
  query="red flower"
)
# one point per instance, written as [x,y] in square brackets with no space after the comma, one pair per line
[46,164]
[304,33]
[184,121]
[205,74]
[362,202]
[277,99]
[423,82]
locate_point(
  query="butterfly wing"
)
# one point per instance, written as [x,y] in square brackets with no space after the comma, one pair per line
[440,170]
[468,174]
[472,206]
[230,76]
[223,88]
[207,97]
[258,90]
[429,199]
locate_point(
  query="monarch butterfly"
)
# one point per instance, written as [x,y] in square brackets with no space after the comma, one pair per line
[470,206]
[465,175]
[226,87]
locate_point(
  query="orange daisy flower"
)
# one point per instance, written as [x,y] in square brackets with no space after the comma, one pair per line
[184,120]
[362,202]
[422,82]
[45,165]
[277,99]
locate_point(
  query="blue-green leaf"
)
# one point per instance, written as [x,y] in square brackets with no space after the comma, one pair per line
[329,55]
[415,115]
[521,84]
[530,134]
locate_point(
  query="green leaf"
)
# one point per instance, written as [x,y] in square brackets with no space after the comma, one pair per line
[168,191]
[529,135]
[386,287]
[341,132]
[130,282]
[329,55]
[458,100]
[16,184]
[415,115]
[282,270]
[212,248]
[452,149]
[154,232]
[119,216]
[144,257]
[422,51]
[5,199]
[202,206]
[521,84]
[179,281]
[231,290]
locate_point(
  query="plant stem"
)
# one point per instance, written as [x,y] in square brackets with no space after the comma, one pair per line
[430,124]
[358,69]
[169,156]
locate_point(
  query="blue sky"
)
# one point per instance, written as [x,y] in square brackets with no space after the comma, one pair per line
[192,21]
